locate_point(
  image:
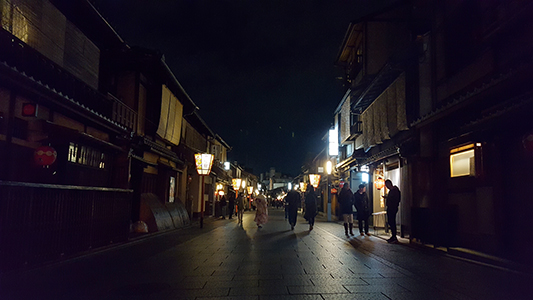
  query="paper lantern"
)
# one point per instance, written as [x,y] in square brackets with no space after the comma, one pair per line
[379,183]
[45,155]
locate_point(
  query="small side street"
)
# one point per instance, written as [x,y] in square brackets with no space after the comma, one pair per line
[227,261]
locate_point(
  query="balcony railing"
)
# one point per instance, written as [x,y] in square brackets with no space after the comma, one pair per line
[42,222]
[123,114]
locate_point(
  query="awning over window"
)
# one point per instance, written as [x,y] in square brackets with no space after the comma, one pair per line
[171,117]
[386,116]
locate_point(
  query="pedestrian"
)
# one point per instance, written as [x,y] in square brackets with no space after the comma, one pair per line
[346,207]
[231,204]
[363,209]
[393,199]
[261,213]
[240,207]
[223,204]
[291,208]
[310,206]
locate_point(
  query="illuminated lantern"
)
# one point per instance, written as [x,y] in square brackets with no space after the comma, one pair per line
[314,180]
[236,183]
[204,162]
[379,183]
[250,190]
[45,155]
[334,191]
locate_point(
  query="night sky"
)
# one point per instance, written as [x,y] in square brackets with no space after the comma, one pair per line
[262,72]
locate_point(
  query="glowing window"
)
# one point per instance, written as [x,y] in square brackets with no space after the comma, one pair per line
[462,163]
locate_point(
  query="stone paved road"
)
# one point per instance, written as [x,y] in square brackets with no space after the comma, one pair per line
[227,261]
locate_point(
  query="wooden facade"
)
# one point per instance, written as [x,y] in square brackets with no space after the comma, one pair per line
[462,154]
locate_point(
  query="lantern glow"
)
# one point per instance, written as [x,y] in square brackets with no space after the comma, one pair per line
[204,162]
[379,183]
[250,190]
[314,180]
[236,183]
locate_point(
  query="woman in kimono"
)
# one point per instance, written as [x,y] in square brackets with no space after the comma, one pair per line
[261,213]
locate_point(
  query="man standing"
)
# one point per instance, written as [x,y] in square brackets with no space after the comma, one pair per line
[393,201]
[346,203]
[363,209]
[293,202]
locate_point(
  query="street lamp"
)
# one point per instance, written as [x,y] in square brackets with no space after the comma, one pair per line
[236,183]
[329,169]
[204,162]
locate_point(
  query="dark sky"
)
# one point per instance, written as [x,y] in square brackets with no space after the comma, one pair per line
[262,72]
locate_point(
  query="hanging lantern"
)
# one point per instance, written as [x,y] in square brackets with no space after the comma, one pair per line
[236,183]
[314,180]
[379,183]
[45,155]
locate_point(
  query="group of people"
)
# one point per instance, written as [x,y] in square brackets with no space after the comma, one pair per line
[360,201]
[234,201]
[347,201]
[293,201]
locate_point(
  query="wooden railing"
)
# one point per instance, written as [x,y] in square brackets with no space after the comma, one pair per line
[41,222]
[123,114]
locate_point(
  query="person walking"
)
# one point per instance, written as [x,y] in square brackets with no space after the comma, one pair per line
[393,199]
[240,207]
[293,201]
[310,206]
[223,204]
[346,207]
[231,204]
[261,213]
[363,209]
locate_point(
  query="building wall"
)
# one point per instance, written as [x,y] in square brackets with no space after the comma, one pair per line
[43,27]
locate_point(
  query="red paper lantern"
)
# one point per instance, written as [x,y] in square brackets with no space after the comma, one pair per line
[379,183]
[45,155]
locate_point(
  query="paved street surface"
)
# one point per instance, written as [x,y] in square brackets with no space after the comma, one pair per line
[226,261]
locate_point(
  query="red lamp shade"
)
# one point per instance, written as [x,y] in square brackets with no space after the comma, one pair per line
[45,155]
[29,110]
[379,183]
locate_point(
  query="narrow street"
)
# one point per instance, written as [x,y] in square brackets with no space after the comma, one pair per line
[226,261]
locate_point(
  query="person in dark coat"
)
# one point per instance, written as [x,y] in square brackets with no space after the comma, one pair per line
[346,203]
[293,203]
[310,206]
[393,202]
[231,204]
[223,204]
[363,209]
